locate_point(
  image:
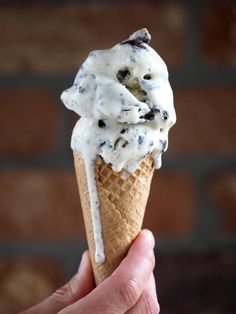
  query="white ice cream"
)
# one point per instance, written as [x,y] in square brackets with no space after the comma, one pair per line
[125,102]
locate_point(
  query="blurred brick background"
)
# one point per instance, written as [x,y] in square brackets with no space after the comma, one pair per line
[192,206]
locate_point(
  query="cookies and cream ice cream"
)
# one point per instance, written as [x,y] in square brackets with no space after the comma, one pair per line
[125,104]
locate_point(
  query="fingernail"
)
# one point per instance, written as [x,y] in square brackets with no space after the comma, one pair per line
[150,238]
[84,262]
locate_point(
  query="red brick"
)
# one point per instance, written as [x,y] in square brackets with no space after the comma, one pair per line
[40,204]
[222,191]
[25,282]
[61,40]
[45,205]
[205,121]
[28,122]
[171,205]
[219,33]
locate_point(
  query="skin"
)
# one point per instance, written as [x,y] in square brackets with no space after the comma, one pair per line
[130,289]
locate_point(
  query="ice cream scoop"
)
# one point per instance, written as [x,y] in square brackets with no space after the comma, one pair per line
[125,104]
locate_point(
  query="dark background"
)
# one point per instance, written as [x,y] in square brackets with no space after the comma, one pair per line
[192,206]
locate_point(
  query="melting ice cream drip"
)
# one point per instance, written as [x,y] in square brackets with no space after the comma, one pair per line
[126,106]
[95,213]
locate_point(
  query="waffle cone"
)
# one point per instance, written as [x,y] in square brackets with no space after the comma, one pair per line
[122,203]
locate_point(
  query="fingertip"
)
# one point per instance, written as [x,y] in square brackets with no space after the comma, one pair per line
[84,276]
[147,236]
[86,255]
[85,261]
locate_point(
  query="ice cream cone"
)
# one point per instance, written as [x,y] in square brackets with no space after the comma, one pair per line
[122,201]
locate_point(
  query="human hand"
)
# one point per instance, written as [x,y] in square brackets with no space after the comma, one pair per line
[130,289]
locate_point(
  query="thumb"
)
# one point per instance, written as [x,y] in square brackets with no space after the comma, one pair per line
[79,286]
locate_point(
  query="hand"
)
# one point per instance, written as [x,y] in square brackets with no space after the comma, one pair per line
[130,289]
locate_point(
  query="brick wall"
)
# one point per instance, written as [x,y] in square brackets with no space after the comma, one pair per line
[192,205]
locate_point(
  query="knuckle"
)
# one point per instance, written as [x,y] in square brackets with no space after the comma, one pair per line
[128,293]
[149,305]
[64,293]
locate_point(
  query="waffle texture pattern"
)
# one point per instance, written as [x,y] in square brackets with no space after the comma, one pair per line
[123,198]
